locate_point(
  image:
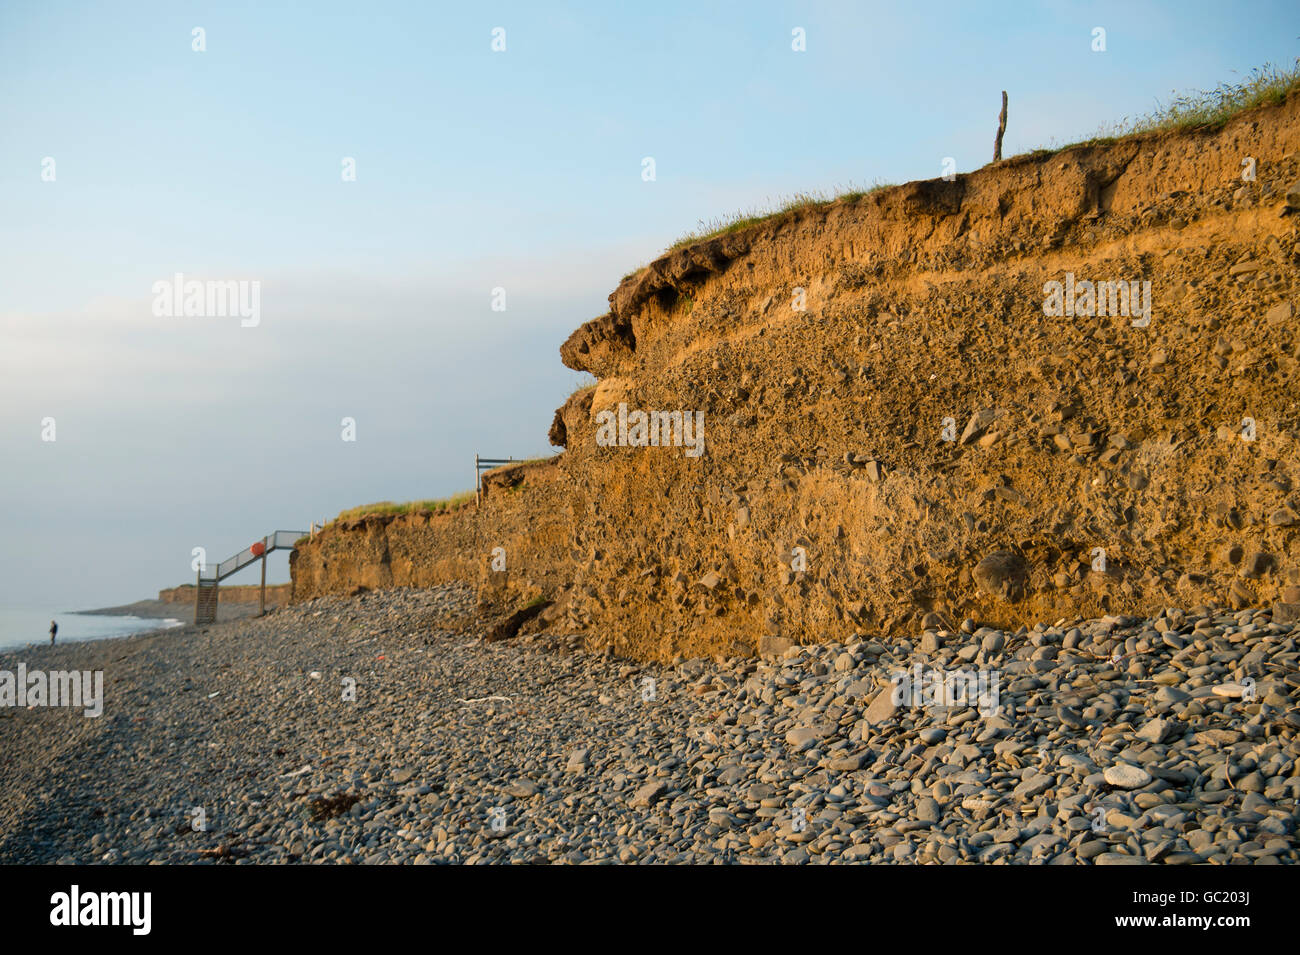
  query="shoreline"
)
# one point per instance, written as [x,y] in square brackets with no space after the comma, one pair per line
[24,629]
[153,617]
[384,728]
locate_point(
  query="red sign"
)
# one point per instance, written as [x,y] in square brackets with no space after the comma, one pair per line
[258,549]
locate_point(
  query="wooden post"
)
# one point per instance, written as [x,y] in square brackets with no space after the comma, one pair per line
[1002,128]
[261,601]
[198,591]
[478,496]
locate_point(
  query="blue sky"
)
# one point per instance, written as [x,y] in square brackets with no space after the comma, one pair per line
[475,169]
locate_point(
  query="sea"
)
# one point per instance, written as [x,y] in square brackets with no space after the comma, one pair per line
[20,627]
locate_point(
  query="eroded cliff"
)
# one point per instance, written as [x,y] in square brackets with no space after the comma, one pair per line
[894,425]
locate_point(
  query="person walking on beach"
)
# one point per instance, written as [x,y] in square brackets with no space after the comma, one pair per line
[54,629]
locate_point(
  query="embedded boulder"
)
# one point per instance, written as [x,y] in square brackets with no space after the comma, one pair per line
[1002,574]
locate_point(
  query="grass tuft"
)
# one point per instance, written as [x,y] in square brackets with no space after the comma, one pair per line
[744,218]
[410,507]
[1199,109]
[581,382]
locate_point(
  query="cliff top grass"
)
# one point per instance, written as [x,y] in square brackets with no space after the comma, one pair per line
[1267,85]
[1209,110]
[1191,110]
[434,506]
[743,219]
[545,457]
[385,508]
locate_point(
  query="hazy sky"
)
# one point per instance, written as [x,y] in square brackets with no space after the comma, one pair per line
[475,170]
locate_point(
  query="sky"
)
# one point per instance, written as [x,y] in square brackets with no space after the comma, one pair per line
[128,156]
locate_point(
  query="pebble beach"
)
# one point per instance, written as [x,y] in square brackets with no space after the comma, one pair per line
[384,729]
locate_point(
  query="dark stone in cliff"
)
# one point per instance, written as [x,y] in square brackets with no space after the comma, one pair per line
[933,197]
[559,434]
[510,626]
[1002,574]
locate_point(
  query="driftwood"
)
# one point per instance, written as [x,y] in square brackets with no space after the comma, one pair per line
[1002,128]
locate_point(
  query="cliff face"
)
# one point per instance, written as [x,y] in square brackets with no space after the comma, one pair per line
[902,415]
[525,513]
[276,594]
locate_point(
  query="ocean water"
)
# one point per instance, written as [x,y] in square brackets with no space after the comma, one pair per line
[21,627]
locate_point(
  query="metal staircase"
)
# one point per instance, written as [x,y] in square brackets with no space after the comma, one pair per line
[209,579]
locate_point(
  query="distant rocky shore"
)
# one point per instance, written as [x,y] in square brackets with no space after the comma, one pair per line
[162,609]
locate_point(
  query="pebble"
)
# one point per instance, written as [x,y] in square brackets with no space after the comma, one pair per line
[1123,776]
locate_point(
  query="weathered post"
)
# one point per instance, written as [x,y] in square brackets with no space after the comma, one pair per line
[261,600]
[1002,128]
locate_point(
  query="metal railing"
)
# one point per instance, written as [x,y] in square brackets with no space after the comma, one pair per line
[485,464]
[209,578]
[276,540]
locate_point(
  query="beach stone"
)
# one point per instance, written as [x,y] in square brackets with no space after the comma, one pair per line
[846,764]
[649,794]
[800,737]
[1251,783]
[732,775]
[927,810]
[577,762]
[1170,696]
[1070,717]
[1123,776]
[523,788]
[1033,786]
[1159,730]
[882,707]
[1117,858]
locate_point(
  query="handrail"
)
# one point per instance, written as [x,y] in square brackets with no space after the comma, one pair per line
[276,540]
[482,464]
[208,584]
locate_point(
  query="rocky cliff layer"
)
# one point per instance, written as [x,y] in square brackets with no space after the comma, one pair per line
[276,594]
[514,545]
